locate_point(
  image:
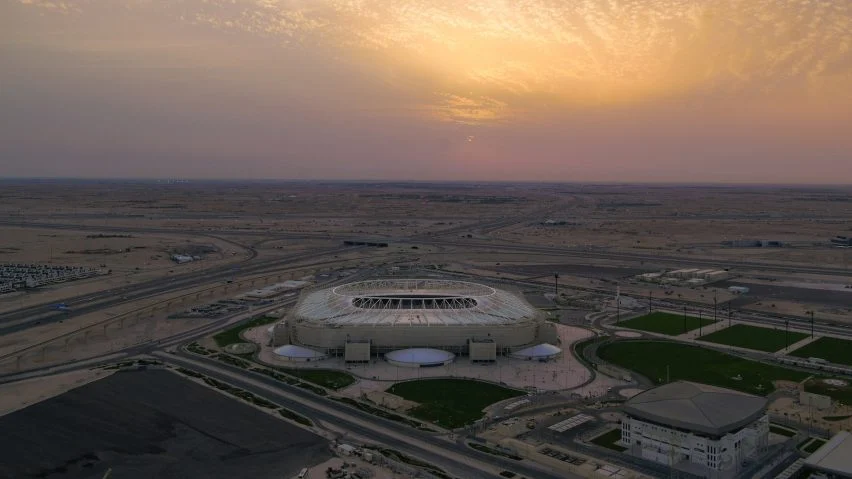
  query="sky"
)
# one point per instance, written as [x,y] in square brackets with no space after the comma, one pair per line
[728,91]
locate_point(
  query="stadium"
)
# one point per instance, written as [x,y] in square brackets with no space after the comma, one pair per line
[414,322]
[695,427]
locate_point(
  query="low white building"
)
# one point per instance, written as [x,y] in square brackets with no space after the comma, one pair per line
[695,427]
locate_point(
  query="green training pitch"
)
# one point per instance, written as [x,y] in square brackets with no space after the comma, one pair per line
[665,323]
[693,363]
[754,337]
[831,349]
[451,403]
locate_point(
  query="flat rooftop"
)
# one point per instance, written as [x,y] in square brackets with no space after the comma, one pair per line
[834,457]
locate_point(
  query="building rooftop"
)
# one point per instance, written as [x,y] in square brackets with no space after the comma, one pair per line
[834,457]
[696,407]
[422,302]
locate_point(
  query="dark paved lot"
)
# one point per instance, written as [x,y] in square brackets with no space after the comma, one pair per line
[151,424]
[762,292]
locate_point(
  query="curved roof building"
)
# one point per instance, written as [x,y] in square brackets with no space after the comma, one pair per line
[410,313]
[419,357]
[697,407]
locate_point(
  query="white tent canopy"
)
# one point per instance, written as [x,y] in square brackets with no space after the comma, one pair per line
[291,352]
[541,351]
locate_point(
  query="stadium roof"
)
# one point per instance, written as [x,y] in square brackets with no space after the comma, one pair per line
[422,302]
[834,457]
[696,407]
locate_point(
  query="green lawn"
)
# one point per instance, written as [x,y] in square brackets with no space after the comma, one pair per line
[609,440]
[754,337]
[451,403]
[327,378]
[665,323]
[815,444]
[693,363]
[232,335]
[831,349]
[781,430]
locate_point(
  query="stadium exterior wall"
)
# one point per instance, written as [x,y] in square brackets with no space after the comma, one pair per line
[408,336]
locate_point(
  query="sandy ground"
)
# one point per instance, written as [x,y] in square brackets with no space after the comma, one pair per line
[20,394]
[318,471]
[148,258]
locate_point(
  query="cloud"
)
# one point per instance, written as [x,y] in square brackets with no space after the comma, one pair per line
[483,60]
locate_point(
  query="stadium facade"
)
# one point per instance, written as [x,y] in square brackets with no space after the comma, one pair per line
[696,427]
[366,319]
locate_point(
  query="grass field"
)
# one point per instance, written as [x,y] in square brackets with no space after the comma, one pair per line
[781,430]
[831,349]
[665,323]
[693,363]
[327,378]
[754,337]
[451,403]
[609,440]
[232,335]
[815,444]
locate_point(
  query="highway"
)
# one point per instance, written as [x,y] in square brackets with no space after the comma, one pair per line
[635,257]
[21,319]
[431,448]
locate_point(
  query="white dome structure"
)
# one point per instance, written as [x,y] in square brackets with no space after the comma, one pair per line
[291,352]
[419,357]
[539,352]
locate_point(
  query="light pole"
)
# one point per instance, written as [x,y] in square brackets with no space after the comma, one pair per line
[787,333]
[715,318]
[556,284]
[812,323]
[650,292]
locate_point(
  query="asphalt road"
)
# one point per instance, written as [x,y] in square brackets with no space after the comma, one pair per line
[361,423]
[25,318]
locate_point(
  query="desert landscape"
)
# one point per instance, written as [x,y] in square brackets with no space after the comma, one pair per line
[206,269]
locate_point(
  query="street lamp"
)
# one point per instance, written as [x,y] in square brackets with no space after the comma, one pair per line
[556,284]
[812,323]
[787,333]
[650,292]
[714,307]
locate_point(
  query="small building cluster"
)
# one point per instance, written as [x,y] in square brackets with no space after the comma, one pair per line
[20,276]
[685,277]
[842,241]
[754,244]
[184,258]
